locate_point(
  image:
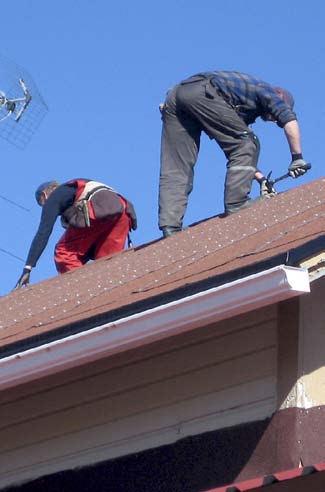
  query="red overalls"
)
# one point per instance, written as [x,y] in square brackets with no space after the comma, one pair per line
[79,245]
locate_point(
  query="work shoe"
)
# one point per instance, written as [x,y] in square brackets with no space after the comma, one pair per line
[170,230]
[235,207]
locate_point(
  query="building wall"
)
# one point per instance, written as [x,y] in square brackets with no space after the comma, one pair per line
[295,435]
[311,362]
[311,372]
[301,357]
[212,378]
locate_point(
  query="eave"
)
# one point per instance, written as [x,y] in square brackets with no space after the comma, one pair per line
[170,319]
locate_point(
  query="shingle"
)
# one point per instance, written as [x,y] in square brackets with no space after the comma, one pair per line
[206,250]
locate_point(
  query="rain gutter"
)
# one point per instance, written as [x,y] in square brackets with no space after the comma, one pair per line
[191,312]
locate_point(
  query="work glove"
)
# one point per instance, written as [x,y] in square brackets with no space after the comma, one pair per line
[298,166]
[23,279]
[267,190]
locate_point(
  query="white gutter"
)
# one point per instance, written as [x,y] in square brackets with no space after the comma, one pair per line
[228,300]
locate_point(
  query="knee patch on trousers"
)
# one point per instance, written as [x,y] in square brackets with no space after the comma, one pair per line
[241,169]
[249,149]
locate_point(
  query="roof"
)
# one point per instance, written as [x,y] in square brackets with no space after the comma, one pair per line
[311,478]
[281,230]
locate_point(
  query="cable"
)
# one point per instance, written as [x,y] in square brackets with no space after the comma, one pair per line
[10,254]
[23,208]
[14,203]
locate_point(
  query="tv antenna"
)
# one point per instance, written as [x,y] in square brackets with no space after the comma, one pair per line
[22,107]
[15,106]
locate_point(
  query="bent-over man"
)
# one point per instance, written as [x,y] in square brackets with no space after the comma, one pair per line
[97,220]
[222,104]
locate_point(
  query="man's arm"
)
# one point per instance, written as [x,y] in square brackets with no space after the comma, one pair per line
[265,190]
[298,165]
[59,200]
[259,176]
[292,132]
[39,242]
[48,218]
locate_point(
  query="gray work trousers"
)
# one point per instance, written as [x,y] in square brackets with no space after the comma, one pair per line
[190,108]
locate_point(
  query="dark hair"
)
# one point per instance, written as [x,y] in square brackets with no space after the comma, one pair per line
[47,186]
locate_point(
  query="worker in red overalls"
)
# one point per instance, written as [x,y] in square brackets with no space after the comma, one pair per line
[97,221]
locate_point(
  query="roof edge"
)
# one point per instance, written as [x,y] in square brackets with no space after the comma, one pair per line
[291,257]
[274,478]
[216,304]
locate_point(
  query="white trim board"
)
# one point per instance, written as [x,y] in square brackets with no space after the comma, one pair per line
[216,304]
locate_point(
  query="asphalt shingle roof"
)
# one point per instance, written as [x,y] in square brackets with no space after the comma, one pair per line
[204,255]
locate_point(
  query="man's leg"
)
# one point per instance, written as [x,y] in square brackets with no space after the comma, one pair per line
[221,122]
[241,168]
[180,143]
[77,246]
[72,249]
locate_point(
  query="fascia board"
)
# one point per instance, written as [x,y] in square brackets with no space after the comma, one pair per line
[216,304]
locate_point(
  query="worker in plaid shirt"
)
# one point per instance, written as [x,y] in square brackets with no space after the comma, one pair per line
[222,104]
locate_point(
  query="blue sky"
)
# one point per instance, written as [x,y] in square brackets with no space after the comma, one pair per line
[103,68]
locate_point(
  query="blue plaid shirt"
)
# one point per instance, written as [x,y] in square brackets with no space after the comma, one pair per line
[251,97]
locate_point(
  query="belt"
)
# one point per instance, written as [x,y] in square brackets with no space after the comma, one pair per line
[193,79]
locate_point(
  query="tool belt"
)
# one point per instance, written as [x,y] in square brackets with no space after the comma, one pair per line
[97,202]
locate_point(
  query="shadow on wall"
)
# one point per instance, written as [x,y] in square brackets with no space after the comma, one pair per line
[192,464]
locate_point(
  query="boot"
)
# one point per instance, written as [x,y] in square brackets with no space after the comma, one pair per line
[235,207]
[170,230]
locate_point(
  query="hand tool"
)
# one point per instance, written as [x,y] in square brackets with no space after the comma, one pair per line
[270,182]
